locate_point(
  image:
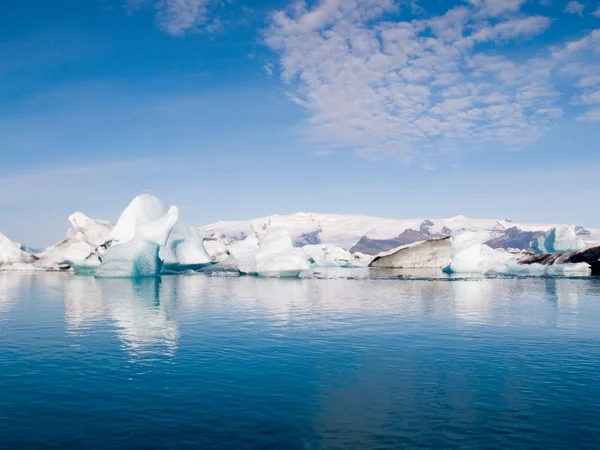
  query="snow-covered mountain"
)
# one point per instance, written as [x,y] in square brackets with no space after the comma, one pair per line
[374,234]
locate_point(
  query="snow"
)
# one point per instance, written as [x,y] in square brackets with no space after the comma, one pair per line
[559,240]
[346,230]
[139,256]
[269,254]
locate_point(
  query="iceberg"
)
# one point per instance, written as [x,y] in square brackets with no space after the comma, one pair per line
[329,255]
[559,240]
[270,254]
[184,248]
[139,256]
[469,254]
[216,247]
[433,253]
[11,255]
[83,246]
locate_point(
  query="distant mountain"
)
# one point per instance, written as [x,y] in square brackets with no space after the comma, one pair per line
[373,235]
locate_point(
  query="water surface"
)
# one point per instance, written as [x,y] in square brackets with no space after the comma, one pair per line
[357,360]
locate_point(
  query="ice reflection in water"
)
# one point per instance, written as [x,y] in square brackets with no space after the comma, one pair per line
[344,359]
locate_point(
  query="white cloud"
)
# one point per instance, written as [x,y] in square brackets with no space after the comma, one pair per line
[596,13]
[496,8]
[392,88]
[575,7]
[511,29]
[177,17]
[579,62]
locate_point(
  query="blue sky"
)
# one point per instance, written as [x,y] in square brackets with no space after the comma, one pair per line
[233,110]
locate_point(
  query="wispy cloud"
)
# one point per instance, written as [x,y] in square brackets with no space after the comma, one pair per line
[177,17]
[575,7]
[388,88]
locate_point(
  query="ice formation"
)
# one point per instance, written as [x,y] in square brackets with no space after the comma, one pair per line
[470,255]
[270,254]
[11,254]
[434,253]
[327,255]
[82,248]
[216,247]
[139,256]
[559,240]
[183,250]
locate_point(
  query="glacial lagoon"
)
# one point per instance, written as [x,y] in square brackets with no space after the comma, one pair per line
[343,358]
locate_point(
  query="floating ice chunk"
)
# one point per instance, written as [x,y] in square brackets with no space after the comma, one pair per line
[559,240]
[569,269]
[12,256]
[277,256]
[139,257]
[243,253]
[272,254]
[434,253]
[84,234]
[469,254]
[216,247]
[184,250]
[328,255]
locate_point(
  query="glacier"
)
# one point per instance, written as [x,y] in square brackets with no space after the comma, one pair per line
[346,231]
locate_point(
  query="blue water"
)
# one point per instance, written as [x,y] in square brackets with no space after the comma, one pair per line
[241,362]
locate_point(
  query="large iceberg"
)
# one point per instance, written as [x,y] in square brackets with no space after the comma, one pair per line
[184,249]
[82,248]
[433,253]
[469,254]
[270,254]
[559,240]
[139,256]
